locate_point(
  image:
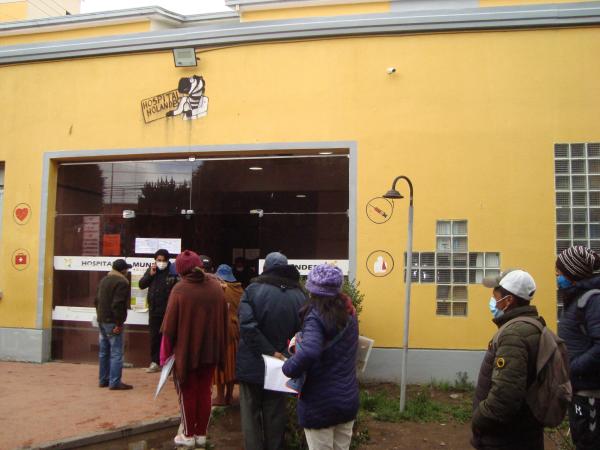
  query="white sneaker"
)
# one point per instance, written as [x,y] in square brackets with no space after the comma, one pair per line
[200,441]
[184,441]
[153,368]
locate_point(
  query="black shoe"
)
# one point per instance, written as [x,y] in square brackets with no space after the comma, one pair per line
[105,384]
[121,387]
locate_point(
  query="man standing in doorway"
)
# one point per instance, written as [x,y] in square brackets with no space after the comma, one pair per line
[112,301]
[242,272]
[268,317]
[160,278]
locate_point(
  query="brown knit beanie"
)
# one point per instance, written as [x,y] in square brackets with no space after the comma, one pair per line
[186,261]
[578,262]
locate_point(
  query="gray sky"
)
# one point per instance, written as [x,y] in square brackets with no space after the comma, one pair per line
[179,6]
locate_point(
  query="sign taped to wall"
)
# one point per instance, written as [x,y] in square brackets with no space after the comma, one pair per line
[100,263]
[305,265]
[151,245]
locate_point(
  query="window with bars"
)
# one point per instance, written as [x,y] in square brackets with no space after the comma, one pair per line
[577,196]
[452,267]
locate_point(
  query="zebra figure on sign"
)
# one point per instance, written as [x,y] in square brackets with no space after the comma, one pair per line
[192,103]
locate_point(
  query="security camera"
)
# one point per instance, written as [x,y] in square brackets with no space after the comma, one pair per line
[391,70]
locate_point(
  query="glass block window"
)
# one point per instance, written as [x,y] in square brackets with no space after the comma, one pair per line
[452,267]
[577,196]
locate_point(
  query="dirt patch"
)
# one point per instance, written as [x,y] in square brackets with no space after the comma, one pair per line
[225,429]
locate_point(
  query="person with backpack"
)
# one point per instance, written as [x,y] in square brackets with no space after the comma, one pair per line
[579,326]
[502,418]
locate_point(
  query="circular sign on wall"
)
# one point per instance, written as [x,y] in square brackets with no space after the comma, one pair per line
[379,210]
[22,213]
[380,263]
[20,259]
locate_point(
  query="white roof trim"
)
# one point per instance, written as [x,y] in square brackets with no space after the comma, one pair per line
[231,32]
[110,17]
[281,4]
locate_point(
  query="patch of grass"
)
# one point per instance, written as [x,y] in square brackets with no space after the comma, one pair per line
[460,384]
[561,436]
[217,412]
[420,407]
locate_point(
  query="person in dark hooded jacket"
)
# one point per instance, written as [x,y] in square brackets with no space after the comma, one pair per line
[579,327]
[269,318]
[159,279]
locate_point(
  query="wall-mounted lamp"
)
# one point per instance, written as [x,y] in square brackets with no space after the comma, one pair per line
[391,70]
[188,213]
[260,212]
[128,214]
[185,57]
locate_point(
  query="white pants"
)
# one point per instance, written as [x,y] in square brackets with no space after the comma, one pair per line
[337,437]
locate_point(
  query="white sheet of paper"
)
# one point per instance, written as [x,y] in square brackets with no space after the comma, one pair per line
[150,245]
[365,345]
[164,374]
[274,377]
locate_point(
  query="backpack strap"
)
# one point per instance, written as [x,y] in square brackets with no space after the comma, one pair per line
[338,336]
[529,320]
[581,304]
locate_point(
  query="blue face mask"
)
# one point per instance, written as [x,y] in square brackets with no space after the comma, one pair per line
[563,282]
[497,313]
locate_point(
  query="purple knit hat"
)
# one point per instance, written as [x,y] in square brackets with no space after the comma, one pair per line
[325,280]
[186,261]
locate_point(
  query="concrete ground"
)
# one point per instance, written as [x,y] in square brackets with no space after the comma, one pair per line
[46,403]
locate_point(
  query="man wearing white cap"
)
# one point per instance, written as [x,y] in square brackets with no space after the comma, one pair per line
[502,420]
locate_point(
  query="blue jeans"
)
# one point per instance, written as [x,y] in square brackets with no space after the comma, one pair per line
[111,355]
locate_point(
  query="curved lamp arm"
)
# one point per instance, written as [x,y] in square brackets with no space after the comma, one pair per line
[410,186]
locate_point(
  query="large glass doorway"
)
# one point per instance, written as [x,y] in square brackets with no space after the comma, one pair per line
[221,207]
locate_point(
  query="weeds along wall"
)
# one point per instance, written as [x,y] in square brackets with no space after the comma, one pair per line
[471,118]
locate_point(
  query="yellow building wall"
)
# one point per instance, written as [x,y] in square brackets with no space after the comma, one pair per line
[79,33]
[9,12]
[315,11]
[471,118]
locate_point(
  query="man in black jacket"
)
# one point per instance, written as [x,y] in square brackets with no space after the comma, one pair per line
[160,278]
[112,301]
[268,317]
[579,326]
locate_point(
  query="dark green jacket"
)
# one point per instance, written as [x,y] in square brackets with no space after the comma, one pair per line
[501,417]
[113,298]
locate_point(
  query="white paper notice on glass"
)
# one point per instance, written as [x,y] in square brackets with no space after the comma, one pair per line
[274,378]
[164,374]
[151,245]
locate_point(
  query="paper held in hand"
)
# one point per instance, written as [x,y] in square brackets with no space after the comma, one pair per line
[164,374]
[364,351]
[274,378]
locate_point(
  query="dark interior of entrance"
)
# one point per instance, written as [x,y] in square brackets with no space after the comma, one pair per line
[217,206]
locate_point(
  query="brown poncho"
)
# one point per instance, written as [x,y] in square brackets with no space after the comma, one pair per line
[196,323]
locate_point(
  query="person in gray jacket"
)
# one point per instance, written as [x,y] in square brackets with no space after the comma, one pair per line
[269,318]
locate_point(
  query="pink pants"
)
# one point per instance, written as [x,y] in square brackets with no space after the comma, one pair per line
[195,400]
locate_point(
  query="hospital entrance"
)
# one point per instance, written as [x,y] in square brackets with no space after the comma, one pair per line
[225,207]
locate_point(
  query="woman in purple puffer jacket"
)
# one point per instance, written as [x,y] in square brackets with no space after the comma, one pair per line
[328,403]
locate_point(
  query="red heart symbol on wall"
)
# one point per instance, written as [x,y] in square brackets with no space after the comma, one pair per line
[21,213]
